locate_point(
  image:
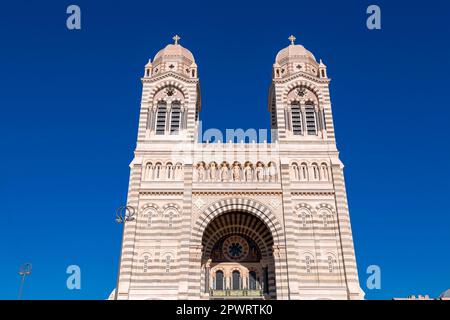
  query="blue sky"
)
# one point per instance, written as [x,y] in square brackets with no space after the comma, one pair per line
[69,113]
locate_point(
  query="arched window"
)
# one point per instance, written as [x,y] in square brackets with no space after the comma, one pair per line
[158,171]
[161,118]
[315,171]
[331,264]
[170,219]
[175,118]
[295,172]
[296,119]
[310,119]
[305,219]
[327,218]
[146,260]
[151,217]
[219,280]
[324,172]
[148,175]
[308,264]
[168,262]
[252,280]
[169,171]
[236,280]
[304,172]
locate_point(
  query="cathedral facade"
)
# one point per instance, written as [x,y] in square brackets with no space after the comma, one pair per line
[230,220]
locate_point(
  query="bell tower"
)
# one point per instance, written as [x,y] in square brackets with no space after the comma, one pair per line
[317,223]
[299,101]
[170,96]
[160,184]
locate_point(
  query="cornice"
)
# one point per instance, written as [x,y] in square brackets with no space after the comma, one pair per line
[302,74]
[236,193]
[168,74]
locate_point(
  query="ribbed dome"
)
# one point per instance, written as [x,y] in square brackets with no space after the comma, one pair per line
[294,53]
[174,51]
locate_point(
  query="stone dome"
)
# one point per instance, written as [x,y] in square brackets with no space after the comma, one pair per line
[174,52]
[294,53]
[173,58]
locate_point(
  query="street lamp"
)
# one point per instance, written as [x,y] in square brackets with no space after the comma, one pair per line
[25,270]
[123,214]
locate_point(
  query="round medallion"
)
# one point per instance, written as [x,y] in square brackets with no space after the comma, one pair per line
[235,248]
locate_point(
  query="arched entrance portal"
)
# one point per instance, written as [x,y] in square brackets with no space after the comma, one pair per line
[237,257]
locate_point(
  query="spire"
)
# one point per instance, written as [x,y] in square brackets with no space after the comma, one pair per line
[292,39]
[176,38]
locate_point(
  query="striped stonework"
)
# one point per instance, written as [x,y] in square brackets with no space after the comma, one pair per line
[255,220]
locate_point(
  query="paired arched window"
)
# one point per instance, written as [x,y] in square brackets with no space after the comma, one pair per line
[175,118]
[219,280]
[170,219]
[161,115]
[236,280]
[315,172]
[331,264]
[168,263]
[309,263]
[151,218]
[310,119]
[303,120]
[146,261]
[168,120]
[305,219]
[296,119]
[252,285]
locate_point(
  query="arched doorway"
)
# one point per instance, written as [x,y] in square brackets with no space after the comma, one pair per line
[238,257]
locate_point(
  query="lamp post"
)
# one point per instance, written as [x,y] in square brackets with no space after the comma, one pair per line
[25,270]
[123,214]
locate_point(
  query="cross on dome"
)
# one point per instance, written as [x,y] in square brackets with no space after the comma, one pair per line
[176,38]
[292,39]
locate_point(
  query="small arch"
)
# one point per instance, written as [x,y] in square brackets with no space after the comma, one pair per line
[168,260]
[324,172]
[326,217]
[219,280]
[295,172]
[308,263]
[146,260]
[315,172]
[303,170]
[331,262]
[236,280]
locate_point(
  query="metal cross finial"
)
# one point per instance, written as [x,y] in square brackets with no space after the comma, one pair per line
[176,38]
[292,39]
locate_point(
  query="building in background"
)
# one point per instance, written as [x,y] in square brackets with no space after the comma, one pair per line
[223,220]
[443,296]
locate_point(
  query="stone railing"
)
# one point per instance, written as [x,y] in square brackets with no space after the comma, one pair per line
[236,293]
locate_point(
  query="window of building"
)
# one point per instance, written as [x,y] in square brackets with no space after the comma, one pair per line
[296,118]
[310,119]
[146,262]
[161,118]
[175,118]
[330,264]
[252,280]
[219,280]
[236,280]
[168,262]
